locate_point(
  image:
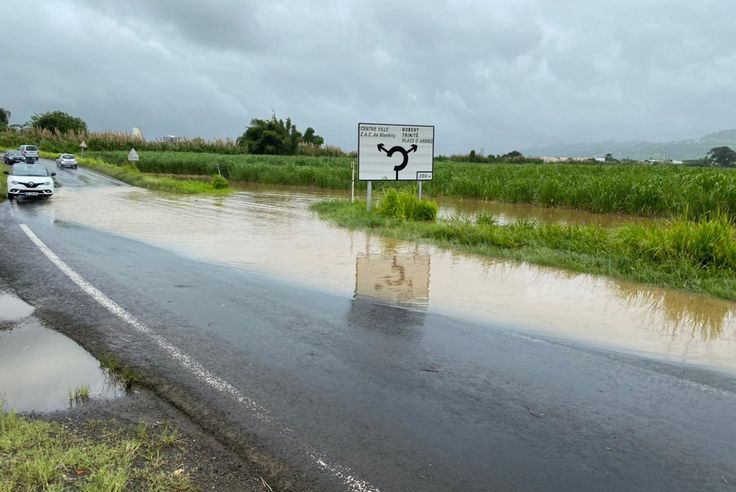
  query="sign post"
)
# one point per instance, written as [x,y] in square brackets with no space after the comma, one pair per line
[394,153]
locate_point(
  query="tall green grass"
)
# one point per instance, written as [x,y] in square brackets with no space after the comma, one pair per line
[685,254]
[406,206]
[645,190]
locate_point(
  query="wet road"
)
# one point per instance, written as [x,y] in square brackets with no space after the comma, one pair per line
[352,395]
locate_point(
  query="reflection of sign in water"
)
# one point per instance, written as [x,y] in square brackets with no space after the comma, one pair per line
[402,280]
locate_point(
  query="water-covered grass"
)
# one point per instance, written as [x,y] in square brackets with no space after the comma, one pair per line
[684,254]
[635,189]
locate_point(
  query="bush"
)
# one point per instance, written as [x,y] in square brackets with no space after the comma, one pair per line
[405,205]
[219,183]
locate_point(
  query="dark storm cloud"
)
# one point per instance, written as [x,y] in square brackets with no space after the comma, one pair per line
[497,75]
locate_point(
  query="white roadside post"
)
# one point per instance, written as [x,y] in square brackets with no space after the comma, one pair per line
[352,184]
[394,153]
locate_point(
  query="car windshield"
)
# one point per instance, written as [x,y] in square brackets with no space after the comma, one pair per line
[29,170]
[67,156]
[31,147]
[13,152]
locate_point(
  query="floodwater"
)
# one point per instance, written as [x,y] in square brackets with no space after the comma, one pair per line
[39,367]
[272,231]
[506,213]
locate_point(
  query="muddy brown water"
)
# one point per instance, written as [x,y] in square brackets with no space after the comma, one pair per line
[271,230]
[39,367]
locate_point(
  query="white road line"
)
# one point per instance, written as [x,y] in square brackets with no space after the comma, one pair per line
[195,368]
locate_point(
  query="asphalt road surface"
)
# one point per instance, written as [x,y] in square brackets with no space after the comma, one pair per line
[328,393]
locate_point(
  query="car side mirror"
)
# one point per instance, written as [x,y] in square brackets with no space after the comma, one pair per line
[6,172]
[53,174]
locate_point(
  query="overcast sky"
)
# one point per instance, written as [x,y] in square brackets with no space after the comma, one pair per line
[497,75]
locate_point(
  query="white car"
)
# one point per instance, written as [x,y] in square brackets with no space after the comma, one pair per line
[30,180]
[30,153]
[66,160]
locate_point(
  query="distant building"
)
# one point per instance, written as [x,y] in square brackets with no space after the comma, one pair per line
[171,138]
[137,133]
[558,158]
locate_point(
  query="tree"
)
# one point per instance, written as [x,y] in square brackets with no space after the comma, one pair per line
[58,120]
[4,117]
[272,136]
[608,157]
[721,156]
[311,138]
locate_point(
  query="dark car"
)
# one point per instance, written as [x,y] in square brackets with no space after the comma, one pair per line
[13,156]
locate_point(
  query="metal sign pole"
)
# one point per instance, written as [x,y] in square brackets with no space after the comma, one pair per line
[352,185]
[368,195]
[420,189]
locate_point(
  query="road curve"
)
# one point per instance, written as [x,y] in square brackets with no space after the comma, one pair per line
[338,394]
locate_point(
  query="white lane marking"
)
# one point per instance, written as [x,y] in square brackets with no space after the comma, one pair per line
[340,472]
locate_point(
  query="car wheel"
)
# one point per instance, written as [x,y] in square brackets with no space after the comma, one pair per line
[75,166]
[11,197]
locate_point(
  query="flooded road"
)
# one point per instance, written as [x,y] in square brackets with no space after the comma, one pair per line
[287,340]
[273,232]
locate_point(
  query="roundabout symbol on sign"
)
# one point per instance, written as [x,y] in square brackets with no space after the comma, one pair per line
[404,154]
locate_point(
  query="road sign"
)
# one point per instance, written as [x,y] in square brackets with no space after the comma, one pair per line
[395,152]
[132,155]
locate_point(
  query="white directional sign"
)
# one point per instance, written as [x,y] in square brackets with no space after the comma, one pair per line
[395,152]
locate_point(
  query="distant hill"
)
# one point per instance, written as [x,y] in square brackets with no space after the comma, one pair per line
[678,150]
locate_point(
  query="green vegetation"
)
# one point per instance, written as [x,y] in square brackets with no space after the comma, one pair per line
[406,206]
[721,156]
[272,136]
[56,141]
[58,121]
[277,137]
[219,183]
[39,455]
[79,394]
[132,175]
[695,256]
[69,141]
[120,372]
[653,191]
[4,118]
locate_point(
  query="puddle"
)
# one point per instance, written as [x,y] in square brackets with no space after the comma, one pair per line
[13,309]
[272,231]
[39,367]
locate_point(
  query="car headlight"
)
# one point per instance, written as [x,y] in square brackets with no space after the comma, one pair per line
[13,182]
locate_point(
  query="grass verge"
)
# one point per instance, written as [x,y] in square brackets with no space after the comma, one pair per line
[40,455]
[694,256]
[132,175]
